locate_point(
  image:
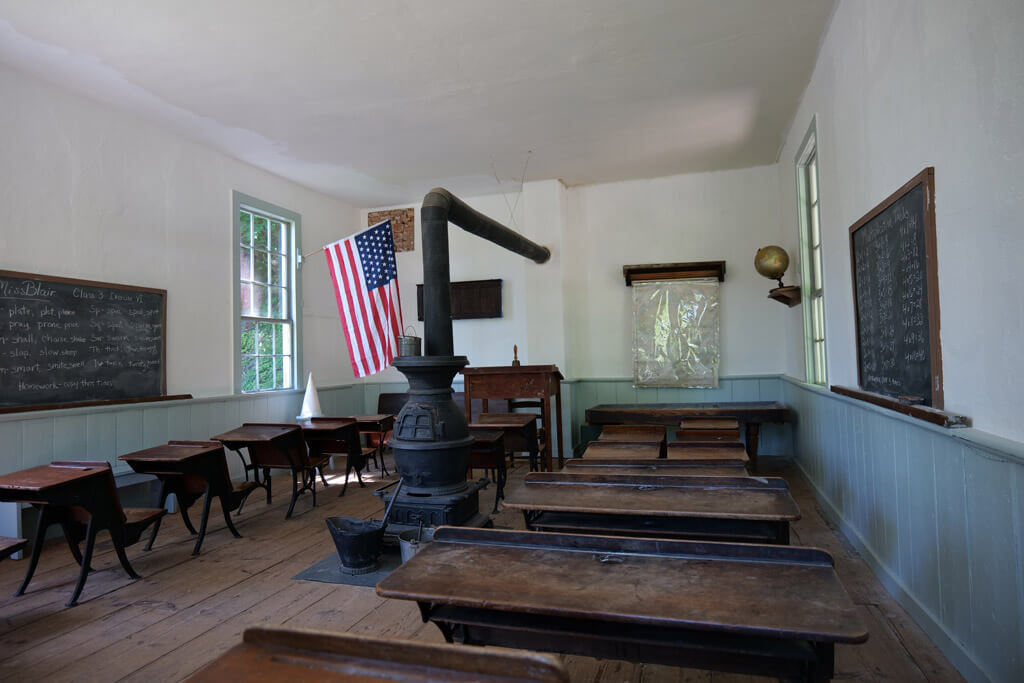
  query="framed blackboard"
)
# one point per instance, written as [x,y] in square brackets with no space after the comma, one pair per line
[65,341]
[896,295]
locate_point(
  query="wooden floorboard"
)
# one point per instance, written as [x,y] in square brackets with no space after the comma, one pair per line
[187,610]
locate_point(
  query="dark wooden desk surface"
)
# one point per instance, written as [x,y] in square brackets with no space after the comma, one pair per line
[718,452]
[673,413]
[287,654]
[775,591]
[505,420]
[374,419]
[641,433]
[657,466]
[170,452]
[45,477]
[254,433]
[657,496]
[326,426]
[622,451]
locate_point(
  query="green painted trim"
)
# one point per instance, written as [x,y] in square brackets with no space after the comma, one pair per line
[238,200]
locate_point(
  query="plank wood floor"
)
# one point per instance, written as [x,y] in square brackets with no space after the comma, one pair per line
[186,610]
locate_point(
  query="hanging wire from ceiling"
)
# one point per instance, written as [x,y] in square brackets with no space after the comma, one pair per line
[512,206]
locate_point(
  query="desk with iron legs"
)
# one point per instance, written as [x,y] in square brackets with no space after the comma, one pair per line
[756,609]
[326,436]
[73,496]
[191,470]
[656,467]
[736,509]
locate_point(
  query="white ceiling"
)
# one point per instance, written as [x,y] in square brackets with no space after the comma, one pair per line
[376,101]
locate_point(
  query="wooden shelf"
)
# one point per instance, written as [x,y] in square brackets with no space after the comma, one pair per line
[789,295]
[932,415]
[674,271]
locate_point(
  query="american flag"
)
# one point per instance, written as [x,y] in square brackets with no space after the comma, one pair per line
[365,278]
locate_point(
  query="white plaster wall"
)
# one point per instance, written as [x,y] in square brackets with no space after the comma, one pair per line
[725,215]
[898,87]
[89,192]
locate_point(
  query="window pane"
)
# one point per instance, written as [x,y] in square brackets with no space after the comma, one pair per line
[279,338]
[259,270]
[812,180]
[276,235]
[245,230]
[260,232]
[276,265]
[246,291]
[816,263]
[279,382]
[259,301]
[245,263]
[249,374]
[286,382]
[266,373]
[248,337]
[265,339]
[276,303]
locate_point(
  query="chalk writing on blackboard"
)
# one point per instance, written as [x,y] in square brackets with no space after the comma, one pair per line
[896,295]
[64,341]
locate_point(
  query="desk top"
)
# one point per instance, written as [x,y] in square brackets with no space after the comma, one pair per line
[325,425]
[622,451]
[779,591]
[172,452]
[673,413]
[277,654]
[632,433]
[749,498]
[510,420]
[512,369]
[255,433]
[486,437]
[726,450]
[45,477]
[366,419]
[658,466]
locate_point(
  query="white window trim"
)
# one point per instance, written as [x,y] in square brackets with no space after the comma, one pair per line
[809,147]
[241,201]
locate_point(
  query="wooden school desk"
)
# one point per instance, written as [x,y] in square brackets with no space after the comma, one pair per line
[190,470]
[752,414]
[522,381]
[739,509]
[290,654]
[657,466]
[377,426]
[622,451]
[327,436]
[757,609]
[520,431]
[82,498]
[634,434]
[276,446]
[708,452]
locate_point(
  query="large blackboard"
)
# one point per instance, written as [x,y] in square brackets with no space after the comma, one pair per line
[71,341]
[895,288]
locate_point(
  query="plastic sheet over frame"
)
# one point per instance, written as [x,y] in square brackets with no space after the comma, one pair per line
[676,333]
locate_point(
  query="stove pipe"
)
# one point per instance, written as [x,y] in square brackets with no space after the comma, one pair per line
[431,440]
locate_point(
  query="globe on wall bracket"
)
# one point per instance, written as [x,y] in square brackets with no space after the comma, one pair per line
[772,261]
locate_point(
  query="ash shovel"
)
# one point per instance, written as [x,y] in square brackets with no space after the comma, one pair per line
[359,541]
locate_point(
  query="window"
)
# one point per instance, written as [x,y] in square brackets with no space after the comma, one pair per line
[813,293]
[266,294]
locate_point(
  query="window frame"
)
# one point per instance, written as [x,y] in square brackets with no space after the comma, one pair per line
[240,202]
[812,284]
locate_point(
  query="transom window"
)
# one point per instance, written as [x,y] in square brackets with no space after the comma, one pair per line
[266,300]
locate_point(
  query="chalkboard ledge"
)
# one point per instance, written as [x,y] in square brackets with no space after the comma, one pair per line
[86,404]
[932,415]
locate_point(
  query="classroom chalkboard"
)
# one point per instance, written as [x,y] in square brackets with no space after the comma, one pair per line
[895,287]
[71,341]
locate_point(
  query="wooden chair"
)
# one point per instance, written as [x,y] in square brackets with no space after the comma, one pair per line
[212,480]
[288,453]
[100,509]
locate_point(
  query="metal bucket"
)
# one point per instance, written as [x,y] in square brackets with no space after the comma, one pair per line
[410,346]
[412,541]
[359,543]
